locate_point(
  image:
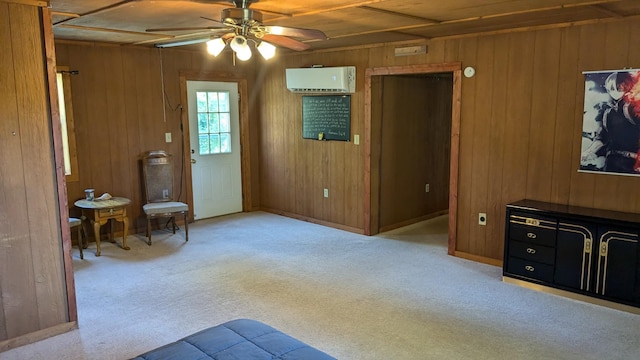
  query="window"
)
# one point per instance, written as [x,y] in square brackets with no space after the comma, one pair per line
[67,125]
[214,122]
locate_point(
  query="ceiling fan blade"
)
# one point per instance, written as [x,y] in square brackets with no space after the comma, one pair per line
[285,42]
[296,32]
[214,20]
[185,28]
[183,42]
[221,2]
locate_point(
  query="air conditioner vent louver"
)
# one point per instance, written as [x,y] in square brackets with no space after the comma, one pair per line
[324,80]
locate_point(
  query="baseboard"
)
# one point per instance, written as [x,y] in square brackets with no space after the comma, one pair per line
[313,220]
[572,295]
[37,336]
[478,258]
[387,228]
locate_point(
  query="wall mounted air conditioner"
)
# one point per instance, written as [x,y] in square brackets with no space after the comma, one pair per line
[325,80]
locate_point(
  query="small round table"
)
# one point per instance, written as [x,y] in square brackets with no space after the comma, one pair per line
[103,211]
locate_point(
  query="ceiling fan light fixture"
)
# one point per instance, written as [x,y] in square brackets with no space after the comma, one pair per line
[215,46]
[244,54]
[241,47]
[266,50]
[239,43]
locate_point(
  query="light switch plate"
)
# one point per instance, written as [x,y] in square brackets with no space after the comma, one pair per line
[167,137]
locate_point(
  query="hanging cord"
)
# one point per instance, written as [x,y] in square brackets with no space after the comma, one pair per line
[164,105]
[166,102]
[165,98]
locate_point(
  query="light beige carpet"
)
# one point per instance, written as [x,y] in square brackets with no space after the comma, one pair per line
[392,296]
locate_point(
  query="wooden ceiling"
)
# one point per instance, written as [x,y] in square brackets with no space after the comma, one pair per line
[346,22]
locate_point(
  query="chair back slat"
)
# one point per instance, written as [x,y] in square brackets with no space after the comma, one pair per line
[157,167]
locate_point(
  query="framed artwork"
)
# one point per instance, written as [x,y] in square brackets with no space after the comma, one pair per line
[611,122]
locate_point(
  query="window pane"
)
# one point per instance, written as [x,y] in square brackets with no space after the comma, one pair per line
[204,144]
[224,101]
[215,143]
[203,126]
[225,139]
[70,155]
[63,123]
[201,97]
[213,102]
[225,122]
[214,123]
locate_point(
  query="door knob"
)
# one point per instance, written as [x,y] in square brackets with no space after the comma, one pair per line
[193,161]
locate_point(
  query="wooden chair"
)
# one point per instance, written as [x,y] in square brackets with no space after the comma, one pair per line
[157,169]
[75,222]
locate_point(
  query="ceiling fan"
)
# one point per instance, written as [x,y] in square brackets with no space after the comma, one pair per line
[240,26]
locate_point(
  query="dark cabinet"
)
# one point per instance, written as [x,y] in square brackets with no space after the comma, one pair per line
[531,250]
[586,251]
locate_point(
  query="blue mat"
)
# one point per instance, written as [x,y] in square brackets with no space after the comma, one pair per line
[238,339]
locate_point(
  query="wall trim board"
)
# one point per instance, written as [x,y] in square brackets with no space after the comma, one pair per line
[477,258]
[412,221]
[414,69]
[312,220]
[540,27]
[36,336]
[40,3]
[58,156]
[475,34]
[455,159]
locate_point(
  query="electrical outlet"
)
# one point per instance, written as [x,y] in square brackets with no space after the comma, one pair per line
[426,188]
[326,193]
[165,193]
[482,219]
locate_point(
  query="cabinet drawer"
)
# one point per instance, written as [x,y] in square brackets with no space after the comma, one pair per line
[532,229]
[110,212]
[530,269]
[532,252]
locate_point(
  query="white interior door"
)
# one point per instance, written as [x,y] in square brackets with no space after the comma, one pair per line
[214,129]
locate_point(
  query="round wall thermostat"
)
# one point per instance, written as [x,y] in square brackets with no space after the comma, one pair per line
[469,71]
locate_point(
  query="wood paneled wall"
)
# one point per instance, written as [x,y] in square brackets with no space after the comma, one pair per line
[522,124]
[33,292]
[521,121]
[294,171]
[121,112]
[415,148]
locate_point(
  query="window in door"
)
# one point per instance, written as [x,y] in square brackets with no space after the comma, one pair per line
[214,122]
[67,124]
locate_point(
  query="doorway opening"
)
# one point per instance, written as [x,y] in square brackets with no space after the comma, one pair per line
[406,155]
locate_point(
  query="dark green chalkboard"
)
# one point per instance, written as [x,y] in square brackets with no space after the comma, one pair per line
[326,117]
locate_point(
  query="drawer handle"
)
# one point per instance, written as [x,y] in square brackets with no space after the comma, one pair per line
[530,221]
[531,235]
[604,249]
[529,268]
[531,251]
